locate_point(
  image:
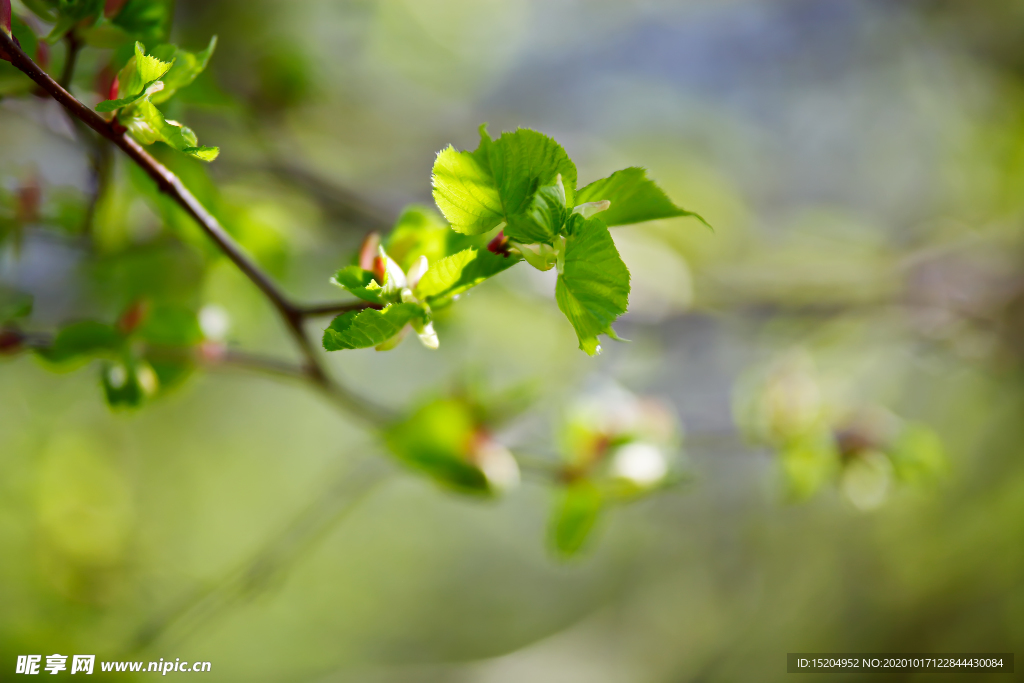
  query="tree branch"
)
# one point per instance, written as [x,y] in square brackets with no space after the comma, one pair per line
[292,314]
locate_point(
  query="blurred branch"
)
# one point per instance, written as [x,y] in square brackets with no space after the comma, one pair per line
[269,564]
[293,315]
[70,60]
[339,202]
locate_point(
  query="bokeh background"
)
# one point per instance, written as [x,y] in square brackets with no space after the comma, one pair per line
[863,165]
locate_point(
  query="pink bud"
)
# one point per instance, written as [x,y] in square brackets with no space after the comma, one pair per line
[368,250]
[5,16]
[115,86]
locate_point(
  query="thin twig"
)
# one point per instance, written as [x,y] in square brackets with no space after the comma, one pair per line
[269,564]
[70,60]
[292,314]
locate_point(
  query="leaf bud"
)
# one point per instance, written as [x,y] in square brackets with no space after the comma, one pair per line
[368,250]
[499,245]
[10,342]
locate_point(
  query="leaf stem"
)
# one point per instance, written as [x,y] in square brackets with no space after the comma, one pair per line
[292,314]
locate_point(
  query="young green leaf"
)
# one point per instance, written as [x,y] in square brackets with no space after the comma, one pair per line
[593,285]
[542,219]
[437,439]
[526,160]
[359,282]
[634,198]
[459,272]
[465,191]
[476,191]
[140,78]
[370,327]
[148,125]
[575,516]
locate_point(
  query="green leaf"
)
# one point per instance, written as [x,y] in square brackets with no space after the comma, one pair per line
[466,193]
[634,198]
[202,153]
[127,384]
[359,282]
[370,327]
[918,454]
[499,181]
[14,305]
[137,80]
[575,516]
[68,14]
[437,439]
[147,20]
[81,340]
[455,274]
[542,220]
[170,325]
[186,68]
[419,231]
[523,161]
[148,125]
[808,464]
[593,285]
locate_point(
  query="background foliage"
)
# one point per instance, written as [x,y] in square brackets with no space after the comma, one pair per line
[860,163]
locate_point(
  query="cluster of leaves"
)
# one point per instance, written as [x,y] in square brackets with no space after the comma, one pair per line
[616,448]
[522,187]
[865,451]
[150,79]
[146,79]
[147,352]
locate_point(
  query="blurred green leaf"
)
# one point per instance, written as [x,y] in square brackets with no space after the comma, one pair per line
[362,329]
[81,340]
[634,198]
[14,305]
[437,439]
[185,69]
[170,325]
[593,287]
[575,515]
[127,384]
[918,454]
[808,464]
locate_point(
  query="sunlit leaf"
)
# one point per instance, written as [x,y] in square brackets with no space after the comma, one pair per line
[634,198]
[359,282]
[593,287]
[370,327]
[499,182]
[459,272]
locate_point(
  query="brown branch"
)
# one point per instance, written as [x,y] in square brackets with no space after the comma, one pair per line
[292,314]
